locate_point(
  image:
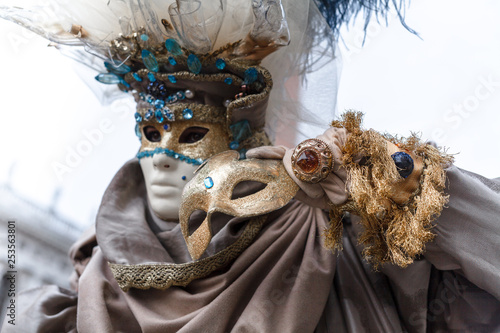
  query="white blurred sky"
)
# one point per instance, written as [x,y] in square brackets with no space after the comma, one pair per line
[401,82]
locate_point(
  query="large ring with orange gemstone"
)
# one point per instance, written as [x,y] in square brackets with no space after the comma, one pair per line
[312,161]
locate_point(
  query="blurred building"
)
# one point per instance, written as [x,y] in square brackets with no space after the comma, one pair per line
[42,241]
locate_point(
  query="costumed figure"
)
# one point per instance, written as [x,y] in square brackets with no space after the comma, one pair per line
[200,232]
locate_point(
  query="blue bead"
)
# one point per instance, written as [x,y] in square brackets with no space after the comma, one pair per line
[250,75]
[138,131]
[150,61]
[168,114]
[241,130]
[108,78]
[183,177]
[220,64]
[194,64]
[172,98]
[209,183]
[159,104]
[159,116]
[166,127]
[150,99]
[404,163]
[172,78]
[228,80]
[125,83]
[144,37]
[234,145]
[138,117]
[137,77]
[148,115]
[187,113]
[198,161]
[173,47]
[122,69]
[180,95]
[142,96]
[151,77]
[172,61]
[176,156]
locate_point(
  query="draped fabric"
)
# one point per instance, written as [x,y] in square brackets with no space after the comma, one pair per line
[285,281]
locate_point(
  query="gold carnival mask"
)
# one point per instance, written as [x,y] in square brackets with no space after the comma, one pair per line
[211,190]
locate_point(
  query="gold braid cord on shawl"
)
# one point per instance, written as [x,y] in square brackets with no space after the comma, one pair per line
[163,276]
[393,232]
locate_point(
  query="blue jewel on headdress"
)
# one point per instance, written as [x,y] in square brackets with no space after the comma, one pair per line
[148,115]
[149,61]
[142,96]
[151,77]
[220,64]
[172,78]
[241,130]
[166,127]
[150,99]
[209,183]
[187,113]
[138,131]
[144,37]
[173,47]
[138,117]
[122,69]
[159,103]
[137,77]
[194,64]
[404,163]
[172,61]
[250,75]
[180,95]
[108,78]
[159,116]
[125,83]
[228,80]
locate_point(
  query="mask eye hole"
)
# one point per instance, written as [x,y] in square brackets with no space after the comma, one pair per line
[246,188]
[193,134]
[152,134]
[195,220]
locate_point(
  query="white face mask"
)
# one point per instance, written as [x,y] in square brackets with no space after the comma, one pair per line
[165,178]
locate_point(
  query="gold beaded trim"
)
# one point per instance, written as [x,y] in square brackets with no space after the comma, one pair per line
[163,276]
[201,112]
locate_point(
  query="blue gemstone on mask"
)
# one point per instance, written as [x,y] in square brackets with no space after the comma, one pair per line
[172,61]
[228,80]
[180,95]
[241,130]
[151,77]
[159,104]
[404,163]
[149,61]
[148,115]
[209,183]
[168,114]
[138,117]
[122,69]
[220,64]
[166,127]
[159,116]
[144,37]
[234,145]
[108,78]
[138,131]
[173,47]
[137,77]
[172,78]
[194,64]
[250,75]
[187,114]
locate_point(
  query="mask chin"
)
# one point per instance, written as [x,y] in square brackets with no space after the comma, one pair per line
[165,178]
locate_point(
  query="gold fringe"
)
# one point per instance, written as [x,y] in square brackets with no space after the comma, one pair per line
[392,233]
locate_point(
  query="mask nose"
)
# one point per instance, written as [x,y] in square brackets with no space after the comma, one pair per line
[162,162]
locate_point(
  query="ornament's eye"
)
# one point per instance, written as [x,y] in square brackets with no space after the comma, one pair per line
[404,163]
[193,134]
[152,134]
